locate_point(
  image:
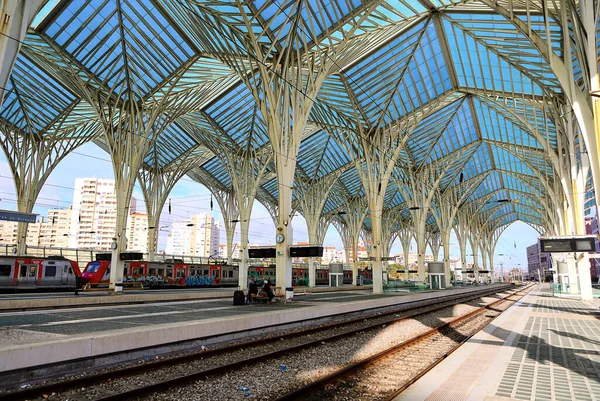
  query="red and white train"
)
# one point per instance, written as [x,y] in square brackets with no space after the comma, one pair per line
[156,274]
[28,272]
[176,273]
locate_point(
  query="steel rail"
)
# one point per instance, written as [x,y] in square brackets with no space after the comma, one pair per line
[89,380]
[302,392]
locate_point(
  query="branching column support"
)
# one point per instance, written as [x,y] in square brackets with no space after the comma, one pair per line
[33,156]
[344,232]
[355,212]
[131,127]
[312,195]
[445,212]
[580,101]
[246,171]
[390,225]
[15,18]
[460,229]
[284,81]
[406,235]
[157,183]
[434,239]
[418,189]
[389,231]
[473,234]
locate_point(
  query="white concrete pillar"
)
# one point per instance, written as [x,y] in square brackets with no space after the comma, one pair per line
[585,279]
[15,18]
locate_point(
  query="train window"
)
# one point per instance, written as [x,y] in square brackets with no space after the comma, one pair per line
[230,273]
[169,272]
[92,267]
[5,270]
[152,272]
[206,272]
[161,272]
[138,270]
[50,271]
[180,273]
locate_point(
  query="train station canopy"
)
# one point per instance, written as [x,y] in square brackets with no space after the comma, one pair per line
[488,104]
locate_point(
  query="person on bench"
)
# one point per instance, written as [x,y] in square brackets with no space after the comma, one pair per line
[267,290]
[252,289]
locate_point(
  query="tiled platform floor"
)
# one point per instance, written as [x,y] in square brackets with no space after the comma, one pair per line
[542,349]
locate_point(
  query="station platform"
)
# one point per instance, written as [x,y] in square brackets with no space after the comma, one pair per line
[541,348]
[47,300]
[40,337]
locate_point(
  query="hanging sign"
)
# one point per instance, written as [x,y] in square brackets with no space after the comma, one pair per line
[8,215]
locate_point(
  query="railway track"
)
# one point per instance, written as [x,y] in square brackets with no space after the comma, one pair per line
[385,375]
[104,386]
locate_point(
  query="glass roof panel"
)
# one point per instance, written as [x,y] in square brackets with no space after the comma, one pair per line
[499,34]
[497,127]
[478,164]
[505,160]
[376,76]
[215,168]
[320,155]
[459,133]
[236,114]
[489,185]
[34,99]
[132,42]
[429,131]
[478,67]
[170,144]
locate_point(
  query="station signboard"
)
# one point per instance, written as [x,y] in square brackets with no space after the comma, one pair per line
[9,215]
[568,244]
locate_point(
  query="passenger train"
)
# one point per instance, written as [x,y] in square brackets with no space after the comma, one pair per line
[34,273]
[157,274]
[176,273]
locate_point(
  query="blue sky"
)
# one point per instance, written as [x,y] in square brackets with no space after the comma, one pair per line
[189,197]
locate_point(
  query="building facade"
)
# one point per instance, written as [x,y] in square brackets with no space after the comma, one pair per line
[537,264]
[55,231]
[196,236]
[224,252]
[137,232]
[94,217]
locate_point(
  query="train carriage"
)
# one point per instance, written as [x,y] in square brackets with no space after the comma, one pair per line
[39,273]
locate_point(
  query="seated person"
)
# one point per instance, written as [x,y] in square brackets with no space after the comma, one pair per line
[267,289]
[252,290]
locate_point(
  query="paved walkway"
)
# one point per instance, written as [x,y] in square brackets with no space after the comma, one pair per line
[46,300]
[543,349]
[35,338]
